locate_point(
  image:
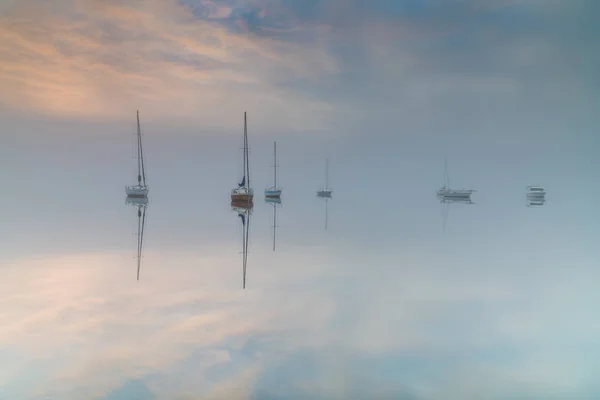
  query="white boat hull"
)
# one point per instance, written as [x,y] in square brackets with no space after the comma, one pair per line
[136,191]
[273,193]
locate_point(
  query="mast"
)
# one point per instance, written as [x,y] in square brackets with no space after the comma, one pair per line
[140,152]
[246,157]
[275,165]
[327,173]
[447,176]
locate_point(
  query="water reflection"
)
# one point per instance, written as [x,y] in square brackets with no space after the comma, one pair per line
[244,211]
[274,202]
[446,201]
[141,203]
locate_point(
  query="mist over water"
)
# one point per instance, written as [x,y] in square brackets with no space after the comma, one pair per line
[381,291]
[382,302]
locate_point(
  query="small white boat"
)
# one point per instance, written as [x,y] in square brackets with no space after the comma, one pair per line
[325,193]
[534,191]
[274,192]
[244,194]
[141,189]
[448,195]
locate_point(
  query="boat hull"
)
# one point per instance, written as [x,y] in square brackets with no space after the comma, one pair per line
[273,194]
[136,191]
[455,193]
[243,205]
[324,193]
[242,197]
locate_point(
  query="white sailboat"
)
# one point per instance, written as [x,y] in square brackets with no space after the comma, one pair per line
[274,191]
[326,193]
[141,189]
[243,195]
[446,194]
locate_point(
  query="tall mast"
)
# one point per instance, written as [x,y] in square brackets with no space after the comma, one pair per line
[246,157]
[140,152]
[244,148]
[275,165]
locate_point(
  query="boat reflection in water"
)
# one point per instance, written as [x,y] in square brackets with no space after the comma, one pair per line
[274,202]
[448,200]
[141,203]
[244,210]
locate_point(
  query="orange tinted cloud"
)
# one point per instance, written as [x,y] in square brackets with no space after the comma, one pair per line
[105,59]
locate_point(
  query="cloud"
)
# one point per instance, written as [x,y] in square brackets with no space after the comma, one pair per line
[417,331]
[296,65]
[105,59]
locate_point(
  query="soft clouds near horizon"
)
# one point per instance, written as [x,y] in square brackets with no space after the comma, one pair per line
[297,65]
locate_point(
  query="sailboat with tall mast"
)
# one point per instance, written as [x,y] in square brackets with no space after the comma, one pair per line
[446,194]
[326,193]
[141,189]
[274,191]
[141,204]
[243,195]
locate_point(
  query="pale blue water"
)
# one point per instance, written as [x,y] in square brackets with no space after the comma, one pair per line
[382,304]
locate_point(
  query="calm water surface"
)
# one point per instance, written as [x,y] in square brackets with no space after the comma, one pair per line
[384,303]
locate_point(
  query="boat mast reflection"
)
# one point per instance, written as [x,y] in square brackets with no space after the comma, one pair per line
[141,203]
[274,202]
[447,201]
[244,211]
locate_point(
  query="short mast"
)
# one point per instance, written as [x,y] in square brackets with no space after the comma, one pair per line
[327,174]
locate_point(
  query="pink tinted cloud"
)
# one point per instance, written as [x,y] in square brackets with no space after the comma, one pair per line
[104,59]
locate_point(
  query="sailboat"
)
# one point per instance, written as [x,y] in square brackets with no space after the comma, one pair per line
[141,204]
[274,202]
[274,191]
[243,195]
[446,194]
[141,189]
[244,215]
[327,191]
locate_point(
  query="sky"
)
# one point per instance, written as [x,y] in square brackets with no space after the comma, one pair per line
[498,306]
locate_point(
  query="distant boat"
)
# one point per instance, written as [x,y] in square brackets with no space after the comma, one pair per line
[274,191]
[141,189]
[536,191]
[446,194]
[244,194]
[326,193]
[536,196]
